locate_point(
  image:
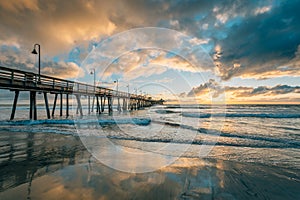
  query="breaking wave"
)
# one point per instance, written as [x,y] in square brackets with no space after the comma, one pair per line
[256,115]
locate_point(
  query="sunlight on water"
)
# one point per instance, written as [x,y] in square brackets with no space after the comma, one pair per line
[249,149]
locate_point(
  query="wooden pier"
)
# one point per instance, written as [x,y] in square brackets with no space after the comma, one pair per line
[101,97]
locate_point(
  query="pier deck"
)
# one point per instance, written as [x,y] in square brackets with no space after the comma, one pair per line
[18,80]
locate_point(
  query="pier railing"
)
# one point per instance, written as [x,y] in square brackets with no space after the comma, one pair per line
[22,80]
[18,80]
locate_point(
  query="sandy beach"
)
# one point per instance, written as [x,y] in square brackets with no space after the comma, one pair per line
[52,166]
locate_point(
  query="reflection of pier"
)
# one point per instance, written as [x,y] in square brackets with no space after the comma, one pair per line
[17,80]
[23,156]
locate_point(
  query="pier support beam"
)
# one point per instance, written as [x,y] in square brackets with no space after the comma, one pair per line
[93,103]
[32,110]
[103,103]
[54,104]
[89,105]
[119,106]
[61,105]
[67,106]
[12,116]
[79,107]
[110,104]
[47,105]
[98,105]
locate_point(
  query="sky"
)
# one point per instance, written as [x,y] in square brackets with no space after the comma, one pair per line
[196,51]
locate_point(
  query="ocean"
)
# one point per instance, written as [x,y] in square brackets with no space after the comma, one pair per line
[160,152]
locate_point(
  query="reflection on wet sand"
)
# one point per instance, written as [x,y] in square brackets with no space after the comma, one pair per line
[27,155]
[43,166]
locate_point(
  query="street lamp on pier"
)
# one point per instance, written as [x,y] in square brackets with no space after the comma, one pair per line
[93,71]
[128,90]
[119,106]
[39,53]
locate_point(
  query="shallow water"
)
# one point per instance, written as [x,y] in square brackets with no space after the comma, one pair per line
[45,166]
[254,153]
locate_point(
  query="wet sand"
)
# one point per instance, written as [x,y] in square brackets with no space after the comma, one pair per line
[51,166]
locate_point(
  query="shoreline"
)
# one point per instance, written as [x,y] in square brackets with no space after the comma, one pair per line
[65,165]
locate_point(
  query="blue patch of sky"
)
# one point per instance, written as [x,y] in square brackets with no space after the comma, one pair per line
[114,77]
[74,56]
[200,16]
[164,24]
[56,59]
[170,55]
[92,45]
[234,21]
[115,61]
[220,35]
[179,81]
[5,48]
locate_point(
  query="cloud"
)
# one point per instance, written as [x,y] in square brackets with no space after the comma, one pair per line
[11,56]
[56,25]
[212,87]
[262,10]
[244,94]
[62,70]
[268,91]
[265,45]
[258,39]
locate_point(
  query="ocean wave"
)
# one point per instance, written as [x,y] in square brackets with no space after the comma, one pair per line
[246,140]
[166,111]
[162,139]
[205,142]
[232,135]
[255,115]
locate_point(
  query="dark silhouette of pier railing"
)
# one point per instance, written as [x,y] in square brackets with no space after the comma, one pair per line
[18,80]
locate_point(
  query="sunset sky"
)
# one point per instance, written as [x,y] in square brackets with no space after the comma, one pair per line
[254,46]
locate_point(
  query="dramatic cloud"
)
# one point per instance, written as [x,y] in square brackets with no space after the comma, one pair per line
[265,45]
[14,58]
[244,94]
[56,25]
[211,86]
[246,39]
[263,90]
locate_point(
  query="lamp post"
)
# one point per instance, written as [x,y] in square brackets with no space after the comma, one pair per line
[135,89]
[128,90]
[117,81]
[119,106]
[93,71]
[39,53]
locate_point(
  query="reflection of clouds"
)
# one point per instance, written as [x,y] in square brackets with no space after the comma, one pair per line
[191,178]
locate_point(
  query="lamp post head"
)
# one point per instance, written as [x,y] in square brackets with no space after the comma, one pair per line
[34,51]
[91,73]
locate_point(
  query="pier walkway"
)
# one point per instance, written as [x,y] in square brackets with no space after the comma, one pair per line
[18,80]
